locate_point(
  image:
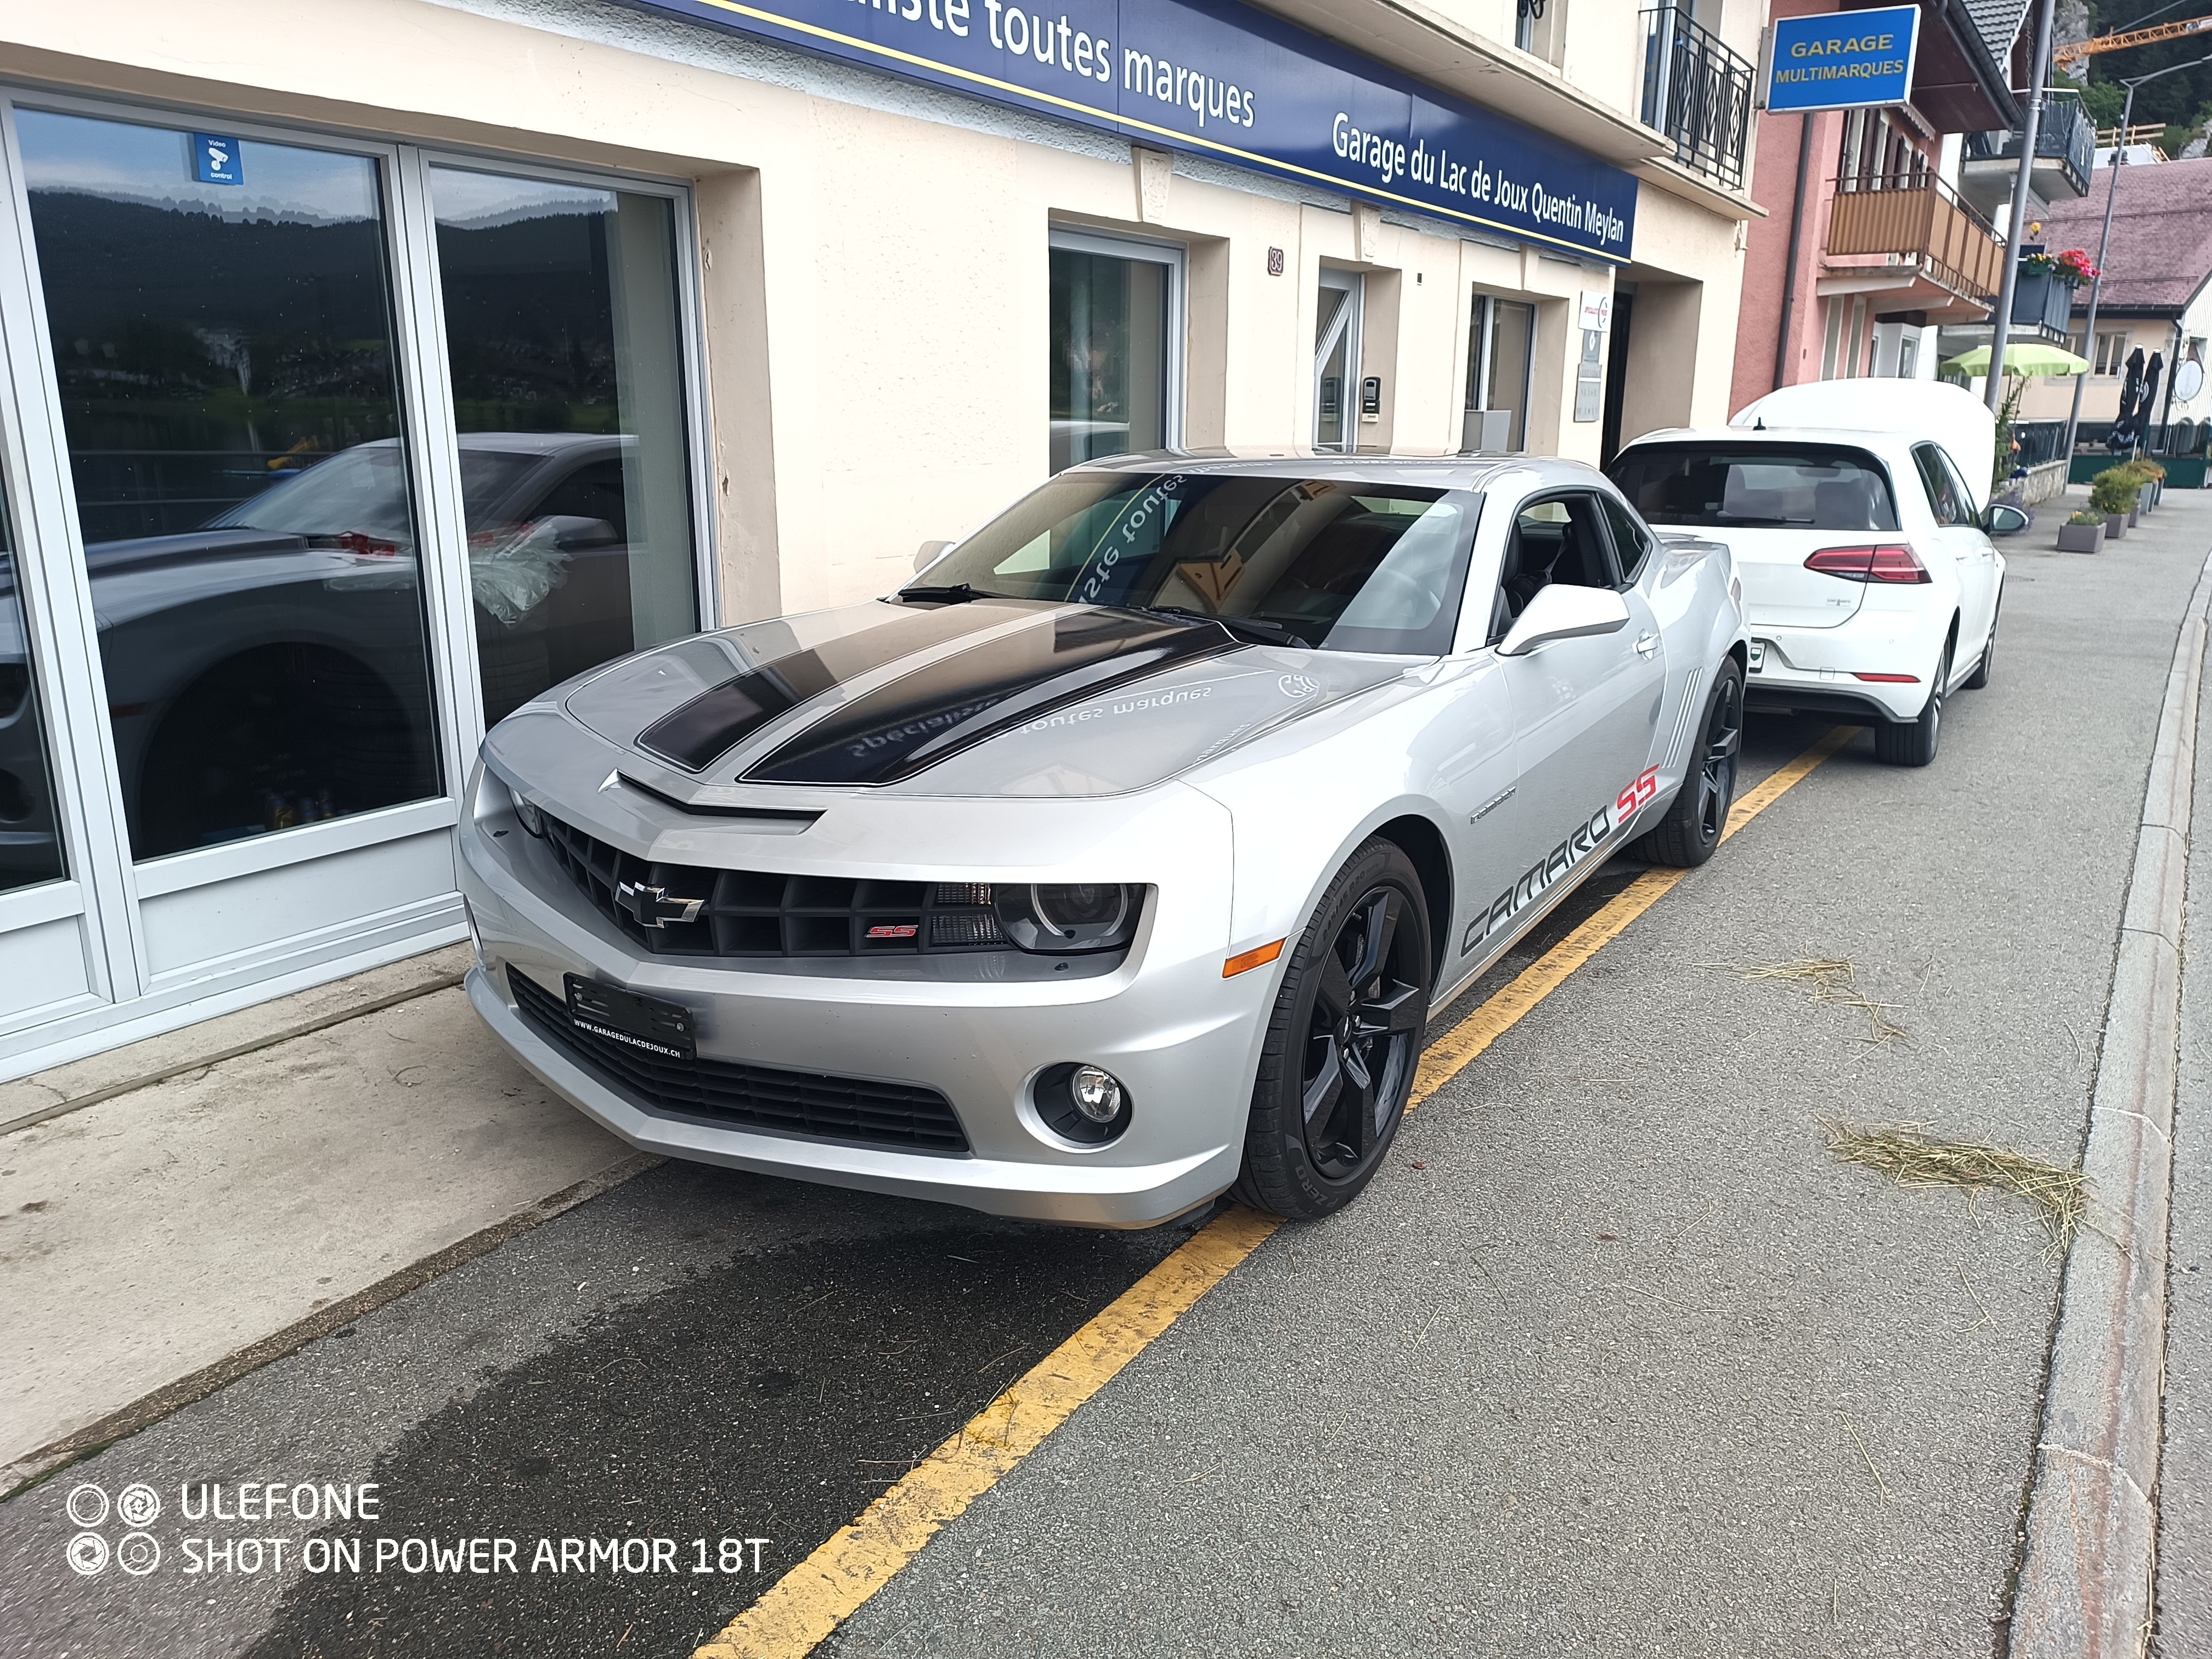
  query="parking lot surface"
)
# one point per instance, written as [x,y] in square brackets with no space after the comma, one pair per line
[1613,1358]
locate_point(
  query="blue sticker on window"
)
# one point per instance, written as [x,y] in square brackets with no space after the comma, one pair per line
[216,160]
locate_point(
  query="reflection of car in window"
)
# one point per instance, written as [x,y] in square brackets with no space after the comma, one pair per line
[264,671]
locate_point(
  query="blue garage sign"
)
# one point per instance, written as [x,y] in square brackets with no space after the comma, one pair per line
[1843,59]
[1216,77]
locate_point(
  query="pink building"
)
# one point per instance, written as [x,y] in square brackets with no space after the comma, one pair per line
[1888,250]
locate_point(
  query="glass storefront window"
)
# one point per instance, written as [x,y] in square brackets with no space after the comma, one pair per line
[30,840]
[1111,371]
[1500,340]
[222,331]
[562,332]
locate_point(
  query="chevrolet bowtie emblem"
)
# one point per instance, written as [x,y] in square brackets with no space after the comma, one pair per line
[651,907]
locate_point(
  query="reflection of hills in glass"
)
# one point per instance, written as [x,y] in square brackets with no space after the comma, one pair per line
[231,204]
[529,312]
[195,350]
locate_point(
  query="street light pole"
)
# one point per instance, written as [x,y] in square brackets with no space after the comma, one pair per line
[2016,224]
[2104,244]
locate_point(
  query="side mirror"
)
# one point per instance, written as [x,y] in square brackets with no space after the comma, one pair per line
[927,555]
[584,532]
[1562,612]
[2005,519]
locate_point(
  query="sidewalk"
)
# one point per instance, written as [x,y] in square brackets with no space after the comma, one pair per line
[201,1218]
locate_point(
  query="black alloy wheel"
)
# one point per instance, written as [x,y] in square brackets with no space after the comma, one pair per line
[1697,815]
[1362,1037]
[1716,767]
[1343,1041]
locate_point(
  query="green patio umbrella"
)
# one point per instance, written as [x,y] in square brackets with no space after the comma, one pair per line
[2028,357]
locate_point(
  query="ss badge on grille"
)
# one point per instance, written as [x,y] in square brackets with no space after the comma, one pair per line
[651,907]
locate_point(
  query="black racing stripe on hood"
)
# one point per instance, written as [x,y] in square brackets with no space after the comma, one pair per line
[722,716]
[927,716]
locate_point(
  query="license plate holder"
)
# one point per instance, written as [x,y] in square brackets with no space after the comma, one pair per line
[655,1029]
[1757,655]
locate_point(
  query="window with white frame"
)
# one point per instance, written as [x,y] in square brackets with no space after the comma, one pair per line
[1116,376]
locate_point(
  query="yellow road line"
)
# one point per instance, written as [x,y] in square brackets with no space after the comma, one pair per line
[800,1609]
[1455,1048]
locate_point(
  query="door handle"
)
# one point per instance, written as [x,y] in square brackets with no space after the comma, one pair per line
[1647,643]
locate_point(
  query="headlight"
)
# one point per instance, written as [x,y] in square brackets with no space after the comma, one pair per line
[527,815]
[1061,918]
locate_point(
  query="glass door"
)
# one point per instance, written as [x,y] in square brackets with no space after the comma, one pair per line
[1500,341]
[331,453]
[1336,360]
[230,407]
[564,352]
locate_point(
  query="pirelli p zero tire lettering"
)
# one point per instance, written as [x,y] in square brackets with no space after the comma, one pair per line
[1914,743]
[1691,831]
[1342,1043]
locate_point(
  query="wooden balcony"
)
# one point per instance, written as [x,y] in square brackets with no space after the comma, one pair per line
[1916,220]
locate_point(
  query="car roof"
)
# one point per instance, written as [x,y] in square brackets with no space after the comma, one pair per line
[544,443]
[1891,446]
[1424,468]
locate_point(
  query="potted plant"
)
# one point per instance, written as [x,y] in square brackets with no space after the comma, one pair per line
[2112,497]
[2082,532]
[2153,477]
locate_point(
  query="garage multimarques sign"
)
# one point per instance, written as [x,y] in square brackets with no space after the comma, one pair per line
[1222,79]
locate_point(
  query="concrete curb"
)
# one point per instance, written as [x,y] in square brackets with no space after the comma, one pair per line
[147,1409]
[2085,1578]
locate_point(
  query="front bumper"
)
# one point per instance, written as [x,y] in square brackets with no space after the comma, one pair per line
[1183,1040]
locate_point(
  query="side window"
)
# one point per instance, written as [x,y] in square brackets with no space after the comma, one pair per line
[1959,488]
[1558,539]
[1943,497]
[1631,541]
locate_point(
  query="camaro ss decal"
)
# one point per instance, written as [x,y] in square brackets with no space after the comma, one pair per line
[722,716]
[1070,657]
[1570,854]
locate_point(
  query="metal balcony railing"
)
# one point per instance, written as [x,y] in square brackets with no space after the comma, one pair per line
[2038,442]
[2066,135]
[1917,217]
[1698,92]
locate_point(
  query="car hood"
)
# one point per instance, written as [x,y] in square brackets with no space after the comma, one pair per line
[1013,697]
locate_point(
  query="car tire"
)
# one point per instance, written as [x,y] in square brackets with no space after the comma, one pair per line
[1914,743]
[1697,815]
[1980,677]
[1343,1041]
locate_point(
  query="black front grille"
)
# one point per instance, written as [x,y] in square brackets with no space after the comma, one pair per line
[903,1116]
[756,913]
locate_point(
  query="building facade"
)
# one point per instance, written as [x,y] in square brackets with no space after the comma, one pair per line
[1871,247]
[372,368]
[2156,300]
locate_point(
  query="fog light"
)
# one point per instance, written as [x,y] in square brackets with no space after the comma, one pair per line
[1097,1093]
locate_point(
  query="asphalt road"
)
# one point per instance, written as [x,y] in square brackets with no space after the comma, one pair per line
[1614,1357]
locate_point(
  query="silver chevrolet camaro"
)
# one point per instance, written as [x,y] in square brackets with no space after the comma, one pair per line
[1119,860]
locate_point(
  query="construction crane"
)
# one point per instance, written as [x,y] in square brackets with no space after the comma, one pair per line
[2067,55]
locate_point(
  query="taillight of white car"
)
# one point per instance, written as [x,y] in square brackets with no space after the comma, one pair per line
[1890,561]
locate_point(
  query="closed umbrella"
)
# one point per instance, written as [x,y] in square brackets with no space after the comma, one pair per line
[2130,391]
[2149,397]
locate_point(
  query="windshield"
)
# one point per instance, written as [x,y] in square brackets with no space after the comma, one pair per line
[1344,566]
[1792,487]
[364,489]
